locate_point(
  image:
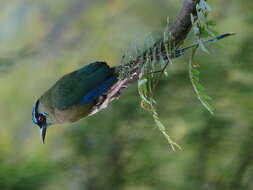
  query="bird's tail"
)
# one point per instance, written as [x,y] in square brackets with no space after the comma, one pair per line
[181,51]
[177,53]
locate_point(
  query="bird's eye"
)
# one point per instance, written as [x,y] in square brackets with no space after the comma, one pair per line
[41,118]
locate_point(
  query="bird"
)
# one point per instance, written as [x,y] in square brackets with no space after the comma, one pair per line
[74,95]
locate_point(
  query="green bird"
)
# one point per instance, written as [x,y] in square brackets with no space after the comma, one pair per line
[74,96]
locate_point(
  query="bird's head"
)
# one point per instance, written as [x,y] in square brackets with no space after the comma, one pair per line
[40,119]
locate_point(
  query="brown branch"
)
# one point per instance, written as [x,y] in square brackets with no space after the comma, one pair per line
[182,25]
[179,32]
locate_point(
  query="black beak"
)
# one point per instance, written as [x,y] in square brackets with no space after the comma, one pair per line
[43,131]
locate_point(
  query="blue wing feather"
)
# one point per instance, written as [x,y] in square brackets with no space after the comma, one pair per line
[100,90]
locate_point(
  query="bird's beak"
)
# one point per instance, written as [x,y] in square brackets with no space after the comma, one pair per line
[43,131]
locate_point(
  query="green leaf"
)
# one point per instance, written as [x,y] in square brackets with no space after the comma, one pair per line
[196,30]
[211,23]
[192,19]
[202,46]
[148,80]
[197,86]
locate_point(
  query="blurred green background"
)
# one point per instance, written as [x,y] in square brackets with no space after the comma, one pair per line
[120,147]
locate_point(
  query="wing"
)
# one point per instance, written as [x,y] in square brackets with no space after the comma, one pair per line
[82,86]
[98,91]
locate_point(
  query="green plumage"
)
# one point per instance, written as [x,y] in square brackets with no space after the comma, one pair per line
[63,101]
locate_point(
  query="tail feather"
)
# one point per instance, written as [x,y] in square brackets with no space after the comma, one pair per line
[177,53]
[181,51]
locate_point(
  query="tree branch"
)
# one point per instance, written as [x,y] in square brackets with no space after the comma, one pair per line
[182,25]
[179,32]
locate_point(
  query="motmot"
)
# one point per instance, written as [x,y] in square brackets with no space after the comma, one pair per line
[74,95]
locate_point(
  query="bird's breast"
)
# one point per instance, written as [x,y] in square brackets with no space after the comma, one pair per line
[73,113]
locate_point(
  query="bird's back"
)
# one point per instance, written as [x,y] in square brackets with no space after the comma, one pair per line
[68,92]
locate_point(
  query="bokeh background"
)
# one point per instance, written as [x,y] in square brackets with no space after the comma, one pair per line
[120,147]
